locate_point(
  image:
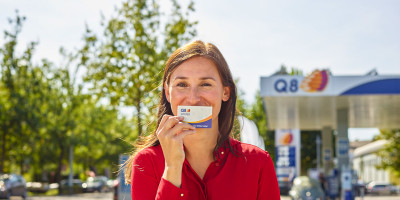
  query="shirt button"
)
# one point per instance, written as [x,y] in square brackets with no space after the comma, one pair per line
[182,195]
[222,153]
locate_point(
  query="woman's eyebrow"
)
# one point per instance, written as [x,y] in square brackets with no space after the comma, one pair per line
[180,77]
[205,78]
[185,78]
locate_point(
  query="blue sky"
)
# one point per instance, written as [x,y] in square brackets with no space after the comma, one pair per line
[256,37]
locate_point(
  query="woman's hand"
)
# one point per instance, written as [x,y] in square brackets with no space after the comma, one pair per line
[170,133]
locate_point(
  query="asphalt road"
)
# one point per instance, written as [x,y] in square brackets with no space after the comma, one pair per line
[365,198]
[85,196]
[379,198]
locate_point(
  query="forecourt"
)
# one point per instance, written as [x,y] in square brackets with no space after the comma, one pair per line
[324,102]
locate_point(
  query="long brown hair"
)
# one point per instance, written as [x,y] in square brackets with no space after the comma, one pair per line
[226,116]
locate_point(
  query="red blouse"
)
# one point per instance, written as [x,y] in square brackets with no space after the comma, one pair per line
[251,175]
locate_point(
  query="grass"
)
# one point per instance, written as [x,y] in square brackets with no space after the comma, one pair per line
[52,192]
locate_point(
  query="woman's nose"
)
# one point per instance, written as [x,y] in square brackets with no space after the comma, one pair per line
[193,97]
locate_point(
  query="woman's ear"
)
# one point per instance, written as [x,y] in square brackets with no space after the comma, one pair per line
[166,90]
[227,94]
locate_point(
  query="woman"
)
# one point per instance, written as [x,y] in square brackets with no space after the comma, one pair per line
[179,161]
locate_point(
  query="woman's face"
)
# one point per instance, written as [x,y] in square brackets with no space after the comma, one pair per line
[196,82]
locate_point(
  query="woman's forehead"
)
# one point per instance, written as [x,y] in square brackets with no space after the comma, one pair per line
[198,67]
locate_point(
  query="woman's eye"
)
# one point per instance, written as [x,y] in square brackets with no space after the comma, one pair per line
[181,85]
[206,84]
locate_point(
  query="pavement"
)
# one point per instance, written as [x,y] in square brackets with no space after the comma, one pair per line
[85,196]
[365,198]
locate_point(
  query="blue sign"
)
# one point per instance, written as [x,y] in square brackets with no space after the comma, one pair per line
[285,156]
[343,147]
[327,154]
[281,85]
[333,186]
[124,190]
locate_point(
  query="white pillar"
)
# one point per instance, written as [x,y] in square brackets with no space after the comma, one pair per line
[342,140]
[327,150]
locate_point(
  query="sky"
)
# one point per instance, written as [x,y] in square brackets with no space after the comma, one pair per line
[256,37]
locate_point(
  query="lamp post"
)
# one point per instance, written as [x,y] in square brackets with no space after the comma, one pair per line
[318,142]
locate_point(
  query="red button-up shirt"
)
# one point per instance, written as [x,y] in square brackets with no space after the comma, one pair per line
[251,175]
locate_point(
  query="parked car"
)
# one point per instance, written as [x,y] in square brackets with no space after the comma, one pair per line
[96,184]
[111,183]
[359,188]
[115,187]
[305,188]
[395,189]
[75,189]
[284,187]
[37,187]
[376,188]
[12,185]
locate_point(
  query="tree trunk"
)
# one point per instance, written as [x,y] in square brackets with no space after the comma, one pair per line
[21,164]
[58,172]
[3,149]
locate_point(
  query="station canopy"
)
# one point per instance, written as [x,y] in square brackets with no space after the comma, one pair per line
[312,102]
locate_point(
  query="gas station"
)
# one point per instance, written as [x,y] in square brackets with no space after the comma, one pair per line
[321,101]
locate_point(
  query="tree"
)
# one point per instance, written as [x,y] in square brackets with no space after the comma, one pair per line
[43,113]
[19,108]
[256,113]
[99,141]
[308,155]
[241,107]
[283,71]
[125,65]
[390,154]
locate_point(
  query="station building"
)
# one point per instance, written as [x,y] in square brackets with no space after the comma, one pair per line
[321,101]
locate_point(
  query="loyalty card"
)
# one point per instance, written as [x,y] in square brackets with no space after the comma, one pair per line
[197,116]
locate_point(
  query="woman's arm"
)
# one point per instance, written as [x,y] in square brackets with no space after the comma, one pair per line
[146,185]
[170,133]
[268,187]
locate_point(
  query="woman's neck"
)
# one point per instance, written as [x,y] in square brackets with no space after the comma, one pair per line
[201,144]
[199,149]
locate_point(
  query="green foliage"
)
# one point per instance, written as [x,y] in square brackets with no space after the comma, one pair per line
[241,104]
[293,71]
[46,110]
[308,153]
[257,114]
[241,107]
[43,113]
[18,107]
[125,64]
[390,154]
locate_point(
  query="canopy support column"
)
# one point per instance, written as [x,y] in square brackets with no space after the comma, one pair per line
[327,150]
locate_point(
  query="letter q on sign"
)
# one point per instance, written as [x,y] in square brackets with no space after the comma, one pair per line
[280,85]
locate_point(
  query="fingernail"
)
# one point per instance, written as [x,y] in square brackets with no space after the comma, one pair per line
[180,117]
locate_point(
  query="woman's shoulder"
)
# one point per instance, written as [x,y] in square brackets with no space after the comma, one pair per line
[149,161]
[152,152]
[249,150]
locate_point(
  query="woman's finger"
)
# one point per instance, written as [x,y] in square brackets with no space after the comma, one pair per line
[163,120]
[180,127]
[170,122]
[184,133]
